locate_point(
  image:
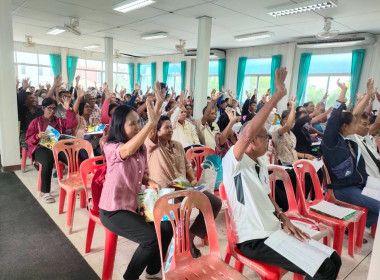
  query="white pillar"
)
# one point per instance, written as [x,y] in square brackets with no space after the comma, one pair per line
[374,268]
[9,142]
[65,78]
[203,55]
[108,59]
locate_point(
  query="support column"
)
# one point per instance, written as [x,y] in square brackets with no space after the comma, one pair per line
[203,55]
[65,78]
[108,59]
[9,142]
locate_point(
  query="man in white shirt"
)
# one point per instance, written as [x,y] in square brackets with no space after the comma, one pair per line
[254,214]
[183,130]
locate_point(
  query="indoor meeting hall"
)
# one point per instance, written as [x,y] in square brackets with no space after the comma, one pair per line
[189,139]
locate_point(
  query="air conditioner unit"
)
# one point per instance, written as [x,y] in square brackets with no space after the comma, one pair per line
[214,53]
[343,40]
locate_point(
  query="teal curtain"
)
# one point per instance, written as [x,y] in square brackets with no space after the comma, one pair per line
[56,64]
[165,71]
[356,71]
[221,72]
[240,76]
[303,72]
[138,78]
[71,67]
[153,72]
[131,72]
[183,74]
[276,64]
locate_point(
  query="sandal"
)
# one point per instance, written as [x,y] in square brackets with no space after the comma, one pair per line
[48,198]
[195,252]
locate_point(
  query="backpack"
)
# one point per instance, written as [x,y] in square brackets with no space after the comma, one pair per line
[97,187]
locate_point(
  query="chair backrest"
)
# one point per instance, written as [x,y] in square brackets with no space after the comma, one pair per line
[279,174]
[90,166]
[71,148]
[198,155]
[179,216]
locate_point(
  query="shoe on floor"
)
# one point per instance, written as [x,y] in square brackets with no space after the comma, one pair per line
[157,276]
[55,174]
[47,198]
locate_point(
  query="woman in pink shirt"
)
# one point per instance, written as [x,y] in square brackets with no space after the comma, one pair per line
[127,171]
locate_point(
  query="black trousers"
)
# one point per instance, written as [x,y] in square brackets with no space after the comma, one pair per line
[257,250]
[133,227]
[45,156]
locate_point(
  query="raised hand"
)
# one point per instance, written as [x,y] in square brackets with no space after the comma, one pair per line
[80,93]
[248,94]
[232,115]
[57,81]
[216,97]
[230,94]
[25,83]
[77,79]
[137,86]
[279,82]
[223,89]
[66,102]
[181,98]
[326,95]
[48,86]
[342,85]
[292,102]
[160,95]
[153,114]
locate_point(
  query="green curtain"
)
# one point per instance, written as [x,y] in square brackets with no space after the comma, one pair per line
[276,64]
[221,72]
[165,71]
[131,71]
[138,78]
[240,76]
[183,74]
[153,73]
[71,67]
[356,71]
[303,72]
[56,64]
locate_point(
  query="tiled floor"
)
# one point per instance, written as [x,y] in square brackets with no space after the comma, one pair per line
[353,268]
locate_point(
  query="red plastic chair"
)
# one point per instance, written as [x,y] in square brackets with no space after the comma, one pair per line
[89,166]
[183,265]
[73,183]
[198,155]
[265,271]
[24,153]
[301,167]
[279,174]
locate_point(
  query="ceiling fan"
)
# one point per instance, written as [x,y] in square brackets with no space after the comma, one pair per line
[327,33]
[73,26]
[117,54]
[29,42]
[181,47]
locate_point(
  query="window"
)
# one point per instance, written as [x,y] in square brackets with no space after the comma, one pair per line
[324,72]
[91,72]
[257,76]
[213,78]
[174,76]
[145,76]
[121,75]
[36,67]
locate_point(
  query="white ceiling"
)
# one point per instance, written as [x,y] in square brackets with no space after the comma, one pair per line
[179,19]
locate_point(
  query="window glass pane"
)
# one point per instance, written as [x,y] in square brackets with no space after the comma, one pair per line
[213,83]
[175,68]
[45,75]
[44,59]
[316,88]
[122,67]
[337,63]
[145,69]
[213,67]
[81,64]
[177,83]
[170,81]
[264,85]
[82,74]
[258,66]
[250,84]
[94,65]
[334,90]
[122,80]
[29,58]
[114,67]
[26,71]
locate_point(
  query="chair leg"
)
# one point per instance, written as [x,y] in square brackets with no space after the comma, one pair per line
[205,241]
[39,178]
[227,258]
[62,197]
[70,211]
[239,266]
[23,159]
[352,229]
[90,234]
[360,232]
[82,195]
[338,239]
[373,230]
[109,255]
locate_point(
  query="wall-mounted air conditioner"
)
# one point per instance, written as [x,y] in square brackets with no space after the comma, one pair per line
[214,53]
[344,40]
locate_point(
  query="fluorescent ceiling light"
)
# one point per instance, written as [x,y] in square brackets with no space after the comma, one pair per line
[307,6]
[90,47]
[130,5]
[56,30]
[157,35]
[254,36]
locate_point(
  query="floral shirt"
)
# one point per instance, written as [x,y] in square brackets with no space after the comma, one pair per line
[221,150]
[285,146]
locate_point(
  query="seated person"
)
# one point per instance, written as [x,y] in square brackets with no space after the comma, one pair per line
[37,130]
[226,138]
[344,159]
[249,106]
[206,128]
[167,162]
[254,214]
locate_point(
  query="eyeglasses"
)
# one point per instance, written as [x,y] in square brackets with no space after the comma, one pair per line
[262,136]
[50,108]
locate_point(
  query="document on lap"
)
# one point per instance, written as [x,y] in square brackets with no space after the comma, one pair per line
[333,210]
[307,255]
[372,188]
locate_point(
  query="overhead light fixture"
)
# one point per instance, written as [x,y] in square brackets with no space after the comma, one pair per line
[157,35]
[254,36]
[91,47]
[130,5]
[56,30]
[302,7]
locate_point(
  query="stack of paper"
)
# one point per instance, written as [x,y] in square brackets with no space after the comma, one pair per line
[333,210]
